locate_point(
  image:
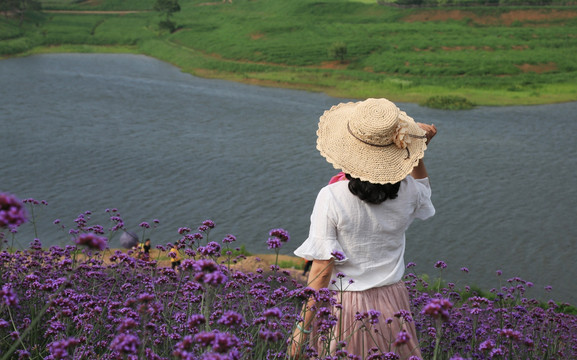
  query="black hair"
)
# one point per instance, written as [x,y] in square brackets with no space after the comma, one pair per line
[373,193]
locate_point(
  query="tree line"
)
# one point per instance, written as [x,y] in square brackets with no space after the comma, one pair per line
[18,8]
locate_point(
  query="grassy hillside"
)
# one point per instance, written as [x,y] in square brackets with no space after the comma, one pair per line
[490,55]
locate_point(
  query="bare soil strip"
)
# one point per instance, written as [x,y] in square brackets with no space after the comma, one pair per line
[91,12]
[507,18]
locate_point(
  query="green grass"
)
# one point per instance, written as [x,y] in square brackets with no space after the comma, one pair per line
[297,264]
[286,43]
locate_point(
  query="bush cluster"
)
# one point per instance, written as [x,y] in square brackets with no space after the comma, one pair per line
[448,103]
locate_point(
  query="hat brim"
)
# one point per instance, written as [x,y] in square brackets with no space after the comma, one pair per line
[375,164]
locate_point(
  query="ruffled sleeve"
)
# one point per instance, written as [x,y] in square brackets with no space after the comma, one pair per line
[321,250]
[425,208]
[322,243]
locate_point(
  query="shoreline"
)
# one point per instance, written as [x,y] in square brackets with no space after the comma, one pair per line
[502,70]
[292,264]
[251,261]
[357,90]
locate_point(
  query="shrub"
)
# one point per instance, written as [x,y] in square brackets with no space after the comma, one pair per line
[167,25]
[448,103]
[338,50]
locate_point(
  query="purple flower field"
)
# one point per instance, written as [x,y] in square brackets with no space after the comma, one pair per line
[86,301]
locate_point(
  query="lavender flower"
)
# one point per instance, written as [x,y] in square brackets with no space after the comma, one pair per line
[441,265]
[281,234]
[403,337]
[127,324]
[374,316]
[208,223]
[438,308]
[231,319]
[195,320]
[130,309]
[183,230]
[270,335]
[497,352]
[511,334]
[338,255]
[224,342]
[59,349]
[273,243]
[8,295]
[125,343]
[228,239]
[274,312]
[92,241]
[405,315]
[211,249]
[12,211]
[386,356]
[36,244]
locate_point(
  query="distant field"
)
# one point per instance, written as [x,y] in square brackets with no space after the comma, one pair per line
[99,4]
[490,55]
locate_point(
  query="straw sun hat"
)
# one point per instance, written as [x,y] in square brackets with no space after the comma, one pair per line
[371,140]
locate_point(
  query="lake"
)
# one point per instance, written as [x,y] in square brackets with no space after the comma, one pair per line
[100,131]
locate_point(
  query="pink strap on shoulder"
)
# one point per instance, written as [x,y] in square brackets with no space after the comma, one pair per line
[338,177]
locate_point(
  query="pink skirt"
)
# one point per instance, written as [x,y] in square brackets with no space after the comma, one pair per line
[364,331]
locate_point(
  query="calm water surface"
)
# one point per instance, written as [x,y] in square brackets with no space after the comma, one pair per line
[91,132]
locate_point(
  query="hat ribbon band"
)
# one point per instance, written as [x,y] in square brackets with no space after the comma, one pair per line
[417,137]
[385,145]
[364,141]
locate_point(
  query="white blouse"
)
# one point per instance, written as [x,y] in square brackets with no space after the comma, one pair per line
[371,237]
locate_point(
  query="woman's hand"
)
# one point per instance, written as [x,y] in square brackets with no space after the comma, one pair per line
[298,340]
[431,131]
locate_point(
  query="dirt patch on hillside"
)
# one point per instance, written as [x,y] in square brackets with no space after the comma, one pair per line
[539,69]
[215,3]
[256,36]
[334,65]
[93,12]
[264,261]
[461,48]
[507,18]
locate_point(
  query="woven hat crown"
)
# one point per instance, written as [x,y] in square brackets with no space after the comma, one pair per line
[372,140]
[374,122]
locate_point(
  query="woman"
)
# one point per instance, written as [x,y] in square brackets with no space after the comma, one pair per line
[358,229]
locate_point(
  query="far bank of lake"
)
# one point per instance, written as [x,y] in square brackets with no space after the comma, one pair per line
[489,55]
